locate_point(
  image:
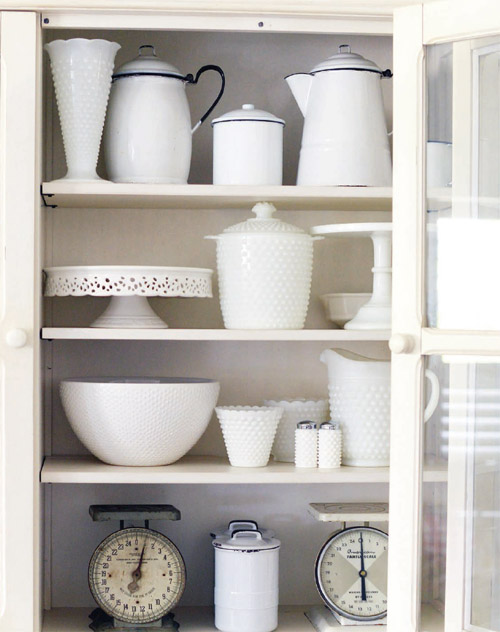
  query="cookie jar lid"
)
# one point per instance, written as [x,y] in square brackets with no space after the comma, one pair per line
[264,222]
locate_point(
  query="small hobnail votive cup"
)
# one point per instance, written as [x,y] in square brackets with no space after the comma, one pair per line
[248,433]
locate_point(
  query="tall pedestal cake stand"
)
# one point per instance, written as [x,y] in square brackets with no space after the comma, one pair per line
[129,288]
[376,314]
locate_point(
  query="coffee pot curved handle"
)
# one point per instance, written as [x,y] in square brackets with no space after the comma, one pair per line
[434,398]
[190,79]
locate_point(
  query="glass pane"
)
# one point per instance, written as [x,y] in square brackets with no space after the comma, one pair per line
[461,525]
[463,184]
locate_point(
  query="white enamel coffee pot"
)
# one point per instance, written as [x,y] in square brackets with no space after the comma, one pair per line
[148,132]
[344,140]
[360,400]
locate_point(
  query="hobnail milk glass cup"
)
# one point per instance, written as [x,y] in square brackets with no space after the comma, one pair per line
[82,70]
[248,433]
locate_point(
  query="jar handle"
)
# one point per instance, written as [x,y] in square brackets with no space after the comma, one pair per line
[190,79]
[249,525]
[257,535]
[434,398]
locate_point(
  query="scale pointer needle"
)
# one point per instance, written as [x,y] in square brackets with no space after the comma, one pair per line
[362,572]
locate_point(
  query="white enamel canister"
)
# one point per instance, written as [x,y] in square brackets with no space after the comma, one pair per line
[248,147]
[246,592]
[360,401]
[264,267]
[147,137]
[344,140]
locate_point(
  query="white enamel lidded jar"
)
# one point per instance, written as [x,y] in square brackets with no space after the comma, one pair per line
[265,268]
[248,147]
[246,591]
[344,140]
[81,70]
[148,132]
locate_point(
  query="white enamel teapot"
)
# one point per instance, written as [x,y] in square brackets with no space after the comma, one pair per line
[344,141]
[148,132]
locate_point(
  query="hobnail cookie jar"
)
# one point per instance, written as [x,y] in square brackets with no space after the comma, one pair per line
[295,410]
[264,267]
[248,433]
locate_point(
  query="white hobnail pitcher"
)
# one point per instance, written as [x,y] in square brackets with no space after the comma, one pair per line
[82,70]
[360,400]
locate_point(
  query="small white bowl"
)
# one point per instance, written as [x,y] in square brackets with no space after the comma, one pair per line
[249,433]
[139,421]
[341,308]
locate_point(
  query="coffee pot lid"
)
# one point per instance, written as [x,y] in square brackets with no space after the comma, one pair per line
[345,60]
[248,112]
[264,222]
[147,63]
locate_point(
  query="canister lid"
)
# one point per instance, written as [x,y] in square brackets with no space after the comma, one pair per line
[248,112]
[246,540]
[329,425]
[264,222]
[307,425]
[345,60]
[238,525]
[147,63]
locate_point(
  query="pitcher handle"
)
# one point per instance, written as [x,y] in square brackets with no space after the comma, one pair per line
[190,79]
[434,398]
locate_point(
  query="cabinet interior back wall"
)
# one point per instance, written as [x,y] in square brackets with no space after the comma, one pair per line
[255,65]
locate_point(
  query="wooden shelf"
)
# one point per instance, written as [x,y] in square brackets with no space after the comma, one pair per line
[291,619]
[271,335]
[207,470]
[103,194]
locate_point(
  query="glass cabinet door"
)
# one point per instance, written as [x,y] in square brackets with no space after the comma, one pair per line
[444,553]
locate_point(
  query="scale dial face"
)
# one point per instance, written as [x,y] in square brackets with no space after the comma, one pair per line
[351,573]
[137,575]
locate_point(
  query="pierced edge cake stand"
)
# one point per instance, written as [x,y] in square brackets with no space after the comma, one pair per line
[376,314]
[129,288]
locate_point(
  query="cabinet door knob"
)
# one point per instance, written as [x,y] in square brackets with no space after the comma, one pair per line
[401,343]
[16,338]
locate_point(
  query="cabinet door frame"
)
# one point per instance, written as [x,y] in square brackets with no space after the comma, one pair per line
[415,27]
[19,309]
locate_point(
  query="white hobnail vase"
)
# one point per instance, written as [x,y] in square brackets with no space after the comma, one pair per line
[295,410]
[82,70]
[248,433]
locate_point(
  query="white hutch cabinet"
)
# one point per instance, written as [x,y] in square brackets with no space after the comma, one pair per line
[444,539]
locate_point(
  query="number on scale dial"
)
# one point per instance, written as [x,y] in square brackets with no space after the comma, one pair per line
[137,575]
[351,573]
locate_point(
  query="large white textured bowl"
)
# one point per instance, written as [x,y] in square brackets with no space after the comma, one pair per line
[139,421]
[295,410]
[248,433]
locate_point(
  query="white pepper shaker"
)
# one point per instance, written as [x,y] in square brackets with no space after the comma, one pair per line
[306,444]
[329,445]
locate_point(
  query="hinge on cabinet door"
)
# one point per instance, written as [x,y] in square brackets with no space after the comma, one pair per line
[49,195]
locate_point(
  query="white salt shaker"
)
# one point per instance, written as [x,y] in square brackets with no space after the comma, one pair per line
[306,444]
[329,445]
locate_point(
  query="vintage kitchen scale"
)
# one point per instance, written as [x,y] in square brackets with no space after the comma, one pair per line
[351,567]
[136,575]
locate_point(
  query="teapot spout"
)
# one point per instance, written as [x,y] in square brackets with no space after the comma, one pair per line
[300,85]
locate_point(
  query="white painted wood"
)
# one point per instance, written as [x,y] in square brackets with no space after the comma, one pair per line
[272,335]
[208,470]
[466,343]
[262,22]
[460,411]
[206,196]
[406,393]
[448,20]
[19,407]
[291,619]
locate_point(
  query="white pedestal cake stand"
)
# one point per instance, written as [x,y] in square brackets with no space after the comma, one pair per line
[376,314]
[129,288]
